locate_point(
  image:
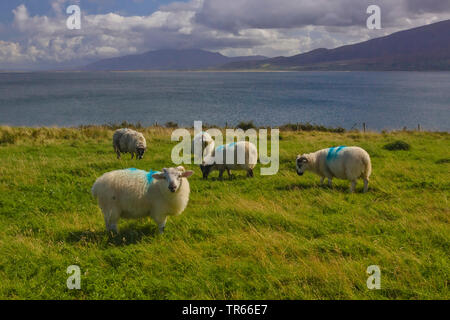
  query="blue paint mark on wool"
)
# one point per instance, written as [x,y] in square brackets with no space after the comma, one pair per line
[219,148]
[333,152]
[149,176]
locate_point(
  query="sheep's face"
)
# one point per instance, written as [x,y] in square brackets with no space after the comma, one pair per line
[206,169]
[301,164]
[173,177]
[140,153]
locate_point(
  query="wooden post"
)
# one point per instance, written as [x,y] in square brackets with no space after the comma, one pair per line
[418,127]
[364,126]
[298,126]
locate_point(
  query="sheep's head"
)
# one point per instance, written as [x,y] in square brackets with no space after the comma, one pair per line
[301,164]
[140,152]
[173,177]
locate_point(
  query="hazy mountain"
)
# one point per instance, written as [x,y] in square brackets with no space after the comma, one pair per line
[168,60]
[422,48]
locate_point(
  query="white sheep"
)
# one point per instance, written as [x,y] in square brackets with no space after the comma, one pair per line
[203,141]
[133,193]
[342,162]
[129,141]
[245,158]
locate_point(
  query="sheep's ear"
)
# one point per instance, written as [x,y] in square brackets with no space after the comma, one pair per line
[158,176]
[187,174]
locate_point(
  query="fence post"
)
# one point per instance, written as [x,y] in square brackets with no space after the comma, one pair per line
[364,126]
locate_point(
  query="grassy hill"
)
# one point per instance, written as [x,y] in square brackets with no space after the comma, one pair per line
[271,237]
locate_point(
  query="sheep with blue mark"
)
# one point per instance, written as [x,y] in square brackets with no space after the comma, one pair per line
[204,142]
[129,141]
[133,194]
[241,155]
[350,163]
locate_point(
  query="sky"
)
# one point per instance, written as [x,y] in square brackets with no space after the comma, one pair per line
[34,34]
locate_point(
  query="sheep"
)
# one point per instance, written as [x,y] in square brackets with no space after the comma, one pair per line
[204,141]
[342,162]
[217,160]
[129,141]
[133,193]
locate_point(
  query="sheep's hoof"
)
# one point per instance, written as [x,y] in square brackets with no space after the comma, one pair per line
[112,233]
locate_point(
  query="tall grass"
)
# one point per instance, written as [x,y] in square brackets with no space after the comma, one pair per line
[270,237]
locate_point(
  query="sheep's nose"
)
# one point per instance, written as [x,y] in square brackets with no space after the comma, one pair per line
[299,173]
[172,188]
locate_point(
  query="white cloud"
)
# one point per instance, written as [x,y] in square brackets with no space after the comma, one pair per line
[10,52]
[238,27]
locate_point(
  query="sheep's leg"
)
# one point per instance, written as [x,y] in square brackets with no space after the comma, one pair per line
[229,173]
[330,182]
[250,173]
[132,155]
[366,185]
[117,152]
[221,174]
[111,218]
[322,180]
[113,229]
[352,186]
[161,224]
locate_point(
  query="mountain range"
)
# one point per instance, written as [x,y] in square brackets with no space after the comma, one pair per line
[168,59]
[422,48]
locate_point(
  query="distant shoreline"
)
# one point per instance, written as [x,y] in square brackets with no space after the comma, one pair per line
[214,71]
[288,127]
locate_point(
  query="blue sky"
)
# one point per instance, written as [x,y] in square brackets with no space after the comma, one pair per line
[43,7]
[34,35]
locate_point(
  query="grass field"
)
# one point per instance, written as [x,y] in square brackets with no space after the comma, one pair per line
[271,237]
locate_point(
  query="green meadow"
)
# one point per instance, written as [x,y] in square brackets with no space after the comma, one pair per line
[270,237]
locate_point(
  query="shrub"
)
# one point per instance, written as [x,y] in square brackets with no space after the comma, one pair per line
[397,145]
[171,124]
[246,125]
[310,127]
[7,137]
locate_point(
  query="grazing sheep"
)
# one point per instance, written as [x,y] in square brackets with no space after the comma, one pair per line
[204,141]
[217,160]
[133,193]
[342,162]
[129,141]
